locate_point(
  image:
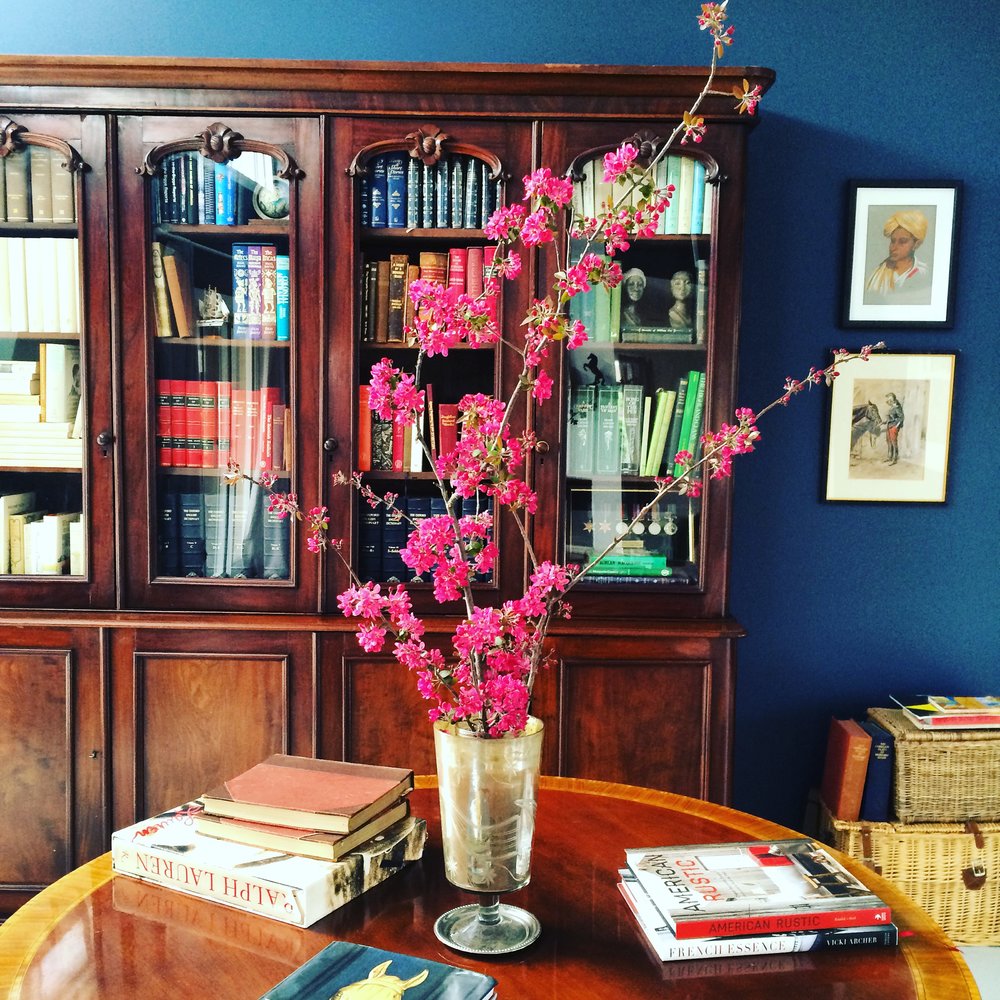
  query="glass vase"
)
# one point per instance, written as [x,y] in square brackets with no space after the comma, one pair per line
[488,792]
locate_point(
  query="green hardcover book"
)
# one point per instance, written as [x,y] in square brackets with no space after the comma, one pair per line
[607,454]
[665,399]
[580,431]
[672,445]
[697,419]
[673,177]
[631,428]
[684,438]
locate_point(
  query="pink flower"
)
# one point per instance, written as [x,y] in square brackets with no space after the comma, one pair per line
[618,163]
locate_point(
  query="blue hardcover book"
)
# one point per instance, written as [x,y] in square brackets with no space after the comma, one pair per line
[168,535]
[876,800]
[698,198]
[413,193]
[379,194]
[241,291]
[442,193]
[346,969]
[428,189]
[472,207]
[674,178]
[365,196]
[370,524]
[488,195]
[282,298]
[395,185]
[457,192]
[219,187]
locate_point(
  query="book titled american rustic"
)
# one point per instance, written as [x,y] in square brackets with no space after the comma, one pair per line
[345,969]
[753,887]
[166,850]
[324,795]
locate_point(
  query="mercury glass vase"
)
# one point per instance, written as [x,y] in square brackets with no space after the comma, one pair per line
[488,792]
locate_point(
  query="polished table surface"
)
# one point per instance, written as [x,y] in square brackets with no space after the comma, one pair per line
[95,935]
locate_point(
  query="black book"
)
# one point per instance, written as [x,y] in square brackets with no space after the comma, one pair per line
[277,538]
[192,535]
[168,536]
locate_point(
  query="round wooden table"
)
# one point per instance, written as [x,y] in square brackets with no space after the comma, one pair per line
[95,935]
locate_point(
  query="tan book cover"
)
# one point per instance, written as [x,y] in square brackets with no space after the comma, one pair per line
[329,795]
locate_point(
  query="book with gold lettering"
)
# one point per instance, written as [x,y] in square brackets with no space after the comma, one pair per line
[168,851]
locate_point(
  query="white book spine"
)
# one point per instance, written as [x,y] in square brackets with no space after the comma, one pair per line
[18,285]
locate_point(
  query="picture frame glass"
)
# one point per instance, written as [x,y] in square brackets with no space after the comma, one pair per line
[901,255]
[890,424]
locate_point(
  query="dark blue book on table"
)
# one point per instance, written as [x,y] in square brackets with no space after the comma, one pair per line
[395,183]
[378,191]
[876,800]
[346,969]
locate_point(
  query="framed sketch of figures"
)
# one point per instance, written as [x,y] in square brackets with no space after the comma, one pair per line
[901,244]
[890,423]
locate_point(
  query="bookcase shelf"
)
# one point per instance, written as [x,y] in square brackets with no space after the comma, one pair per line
[103,663]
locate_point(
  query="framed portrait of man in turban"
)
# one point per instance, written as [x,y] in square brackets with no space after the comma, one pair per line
[900,254]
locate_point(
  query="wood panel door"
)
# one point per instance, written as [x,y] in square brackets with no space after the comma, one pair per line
[193,708]
[52,757]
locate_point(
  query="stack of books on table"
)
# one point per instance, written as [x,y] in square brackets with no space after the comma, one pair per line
[751,898]
[292,838]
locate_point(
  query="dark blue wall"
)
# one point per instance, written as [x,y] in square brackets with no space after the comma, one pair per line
[843,602]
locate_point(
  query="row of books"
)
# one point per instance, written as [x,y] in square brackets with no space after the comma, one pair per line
[36,185]
[706,901]
[227,533]
[258,308]
[39,285]
[385,446]
[383,534]
[203,423]
[292,838]
[857,778]
[386,307]
[37,541]
[42,390]
[190,189]
[691,207]
[401,192]
[622,430]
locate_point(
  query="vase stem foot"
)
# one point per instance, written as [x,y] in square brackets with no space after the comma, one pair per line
[487,928]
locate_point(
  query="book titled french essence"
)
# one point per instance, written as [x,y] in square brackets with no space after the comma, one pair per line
[166,850]
[756,887]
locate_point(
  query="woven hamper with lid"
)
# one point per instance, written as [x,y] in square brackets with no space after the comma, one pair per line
[942,776]
[952,870]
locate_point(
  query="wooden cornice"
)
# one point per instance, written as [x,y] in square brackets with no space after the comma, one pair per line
[102,83]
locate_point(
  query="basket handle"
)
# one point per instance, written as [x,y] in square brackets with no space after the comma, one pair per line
[974,876]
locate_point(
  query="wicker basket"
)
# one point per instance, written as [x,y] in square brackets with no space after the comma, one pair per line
[942,777]
[952,870]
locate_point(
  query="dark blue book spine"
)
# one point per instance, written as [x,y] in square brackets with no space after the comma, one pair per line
[277,538]
[395,180]
[379,217]
[442,202]
[428,189]
[413,193]
[457,193]
[365,196]
[394,536]
[472,208]
[876,800]
[192,535]
[370,546]
[487,196]
[168,536]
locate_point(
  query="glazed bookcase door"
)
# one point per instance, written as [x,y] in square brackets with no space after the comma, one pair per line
[422,216]
[221,340]
[657,370]
[56,461]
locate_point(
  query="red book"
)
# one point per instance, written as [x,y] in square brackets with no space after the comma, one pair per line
[399,435]
[847,750]
[178,406]
[224,394]
[208,436]
[237,430]
[489,254]
[331,795]
[251,429]
[783,923]
[278,414]
[457,258]
[164,441]
[191,424]
[364,429]
[269,292]
[474,271]
[447,427]
[268,397]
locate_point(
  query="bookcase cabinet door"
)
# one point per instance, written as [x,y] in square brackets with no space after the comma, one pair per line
[223,221]
[648,711]
[194,708]
[430,226]
[658,369]
[57,455]
[52,748]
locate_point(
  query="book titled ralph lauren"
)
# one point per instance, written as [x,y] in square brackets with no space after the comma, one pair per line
[344,969]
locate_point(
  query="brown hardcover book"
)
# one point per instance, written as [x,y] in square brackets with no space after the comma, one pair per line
[306,843]
[434,266]
[847,750]
[323,795]
[178,278]
[398,263]
[412,273]
[382,302]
